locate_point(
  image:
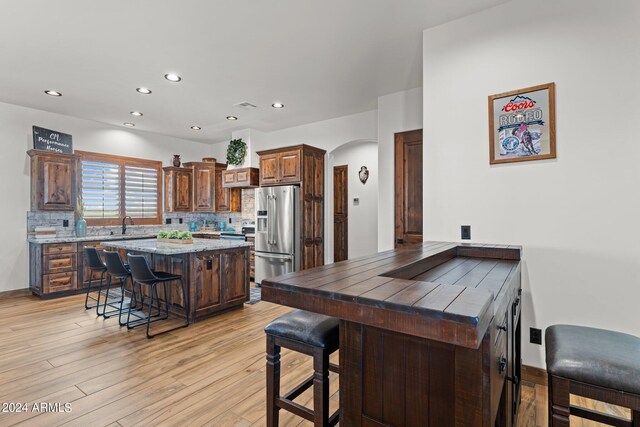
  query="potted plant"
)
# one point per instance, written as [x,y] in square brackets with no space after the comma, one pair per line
[177,237]
[81,223]
[236,152]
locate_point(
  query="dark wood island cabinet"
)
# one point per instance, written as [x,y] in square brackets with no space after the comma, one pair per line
[429,334]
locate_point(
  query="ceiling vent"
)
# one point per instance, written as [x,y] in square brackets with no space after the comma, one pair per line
[246,105]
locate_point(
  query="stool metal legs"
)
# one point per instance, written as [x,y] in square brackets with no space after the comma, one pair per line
[153,296]
[86,299]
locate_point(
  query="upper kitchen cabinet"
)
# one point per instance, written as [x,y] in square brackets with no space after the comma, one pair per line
[226,199]
[241,178]
[282,166]
[53,181]
[178,189]
[204,193]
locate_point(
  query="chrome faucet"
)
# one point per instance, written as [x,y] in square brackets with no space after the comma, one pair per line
[124,225]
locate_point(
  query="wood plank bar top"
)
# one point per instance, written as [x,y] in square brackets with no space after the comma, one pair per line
[442,291]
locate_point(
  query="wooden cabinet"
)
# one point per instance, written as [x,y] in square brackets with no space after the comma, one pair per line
[178,189]
[53,181]
[302,165]
[203,185]
[280,167]
[241,178]
[219,280]
[53,268]
[227,199]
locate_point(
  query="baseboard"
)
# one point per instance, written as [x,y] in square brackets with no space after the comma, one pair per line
[534,375]
[16,293]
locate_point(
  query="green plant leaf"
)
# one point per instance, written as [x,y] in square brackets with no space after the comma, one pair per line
[236,151]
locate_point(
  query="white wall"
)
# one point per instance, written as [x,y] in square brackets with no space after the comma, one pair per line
[15,127]
[397,112]
[363,218]
[576,215]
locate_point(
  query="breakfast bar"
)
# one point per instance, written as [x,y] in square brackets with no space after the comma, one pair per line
[216,272]
[429,334]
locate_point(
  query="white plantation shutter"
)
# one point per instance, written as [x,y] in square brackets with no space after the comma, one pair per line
[141,191]
[100,189]
[114,187]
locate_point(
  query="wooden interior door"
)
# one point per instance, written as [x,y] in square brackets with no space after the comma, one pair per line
[340,213]
[408,187]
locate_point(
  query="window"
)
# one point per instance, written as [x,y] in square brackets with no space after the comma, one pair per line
[113,187]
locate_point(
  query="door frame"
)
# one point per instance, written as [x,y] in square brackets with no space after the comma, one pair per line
[399,172]
[346,204]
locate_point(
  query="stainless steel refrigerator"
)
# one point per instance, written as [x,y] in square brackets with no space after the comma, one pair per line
[277,249]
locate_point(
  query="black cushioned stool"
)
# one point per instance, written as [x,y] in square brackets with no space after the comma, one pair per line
[308,333]
[596,364]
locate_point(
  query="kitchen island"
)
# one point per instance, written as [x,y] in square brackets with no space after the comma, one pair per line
[429,334]
[216,272]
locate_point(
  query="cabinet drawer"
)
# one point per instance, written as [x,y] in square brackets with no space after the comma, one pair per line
[58,263]
[59,282]
[58,248]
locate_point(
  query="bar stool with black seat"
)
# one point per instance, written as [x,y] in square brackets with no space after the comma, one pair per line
[593,363]
[312,334]
[142,274]
[117,270]
[95,265]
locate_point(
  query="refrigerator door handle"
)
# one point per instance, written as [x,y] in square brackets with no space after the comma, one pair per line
[274,219]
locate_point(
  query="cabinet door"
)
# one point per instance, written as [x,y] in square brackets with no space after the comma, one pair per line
[203,189]
[289,163]
[229,177]
[58,282]
[269,169]
[318,210]
[183,188]
[222,194]
[206,279]
[56,189]
[234,279]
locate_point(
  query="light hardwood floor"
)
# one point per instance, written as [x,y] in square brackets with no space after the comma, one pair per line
[211,373]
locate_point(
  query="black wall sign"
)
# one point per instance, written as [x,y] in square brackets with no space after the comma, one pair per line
[51,140]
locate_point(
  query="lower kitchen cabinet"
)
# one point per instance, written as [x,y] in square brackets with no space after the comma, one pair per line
[219,280]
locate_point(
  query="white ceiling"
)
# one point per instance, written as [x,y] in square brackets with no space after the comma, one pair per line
[322,58]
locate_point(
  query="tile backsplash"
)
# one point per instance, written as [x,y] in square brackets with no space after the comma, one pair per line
[56,220]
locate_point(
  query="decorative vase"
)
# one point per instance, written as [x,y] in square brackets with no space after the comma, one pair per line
[176,160]
[81,227]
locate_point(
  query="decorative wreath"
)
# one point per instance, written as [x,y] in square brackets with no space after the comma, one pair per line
[236,151]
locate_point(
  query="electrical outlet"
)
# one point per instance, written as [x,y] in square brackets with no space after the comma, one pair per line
[65,222]
[167,221]
[535,336]
[465,232]
[180,220]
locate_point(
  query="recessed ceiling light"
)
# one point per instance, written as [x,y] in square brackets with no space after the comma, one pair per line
[129,125]
[52,93]
[277,105]
[232,118]
[144,90]
[172,77]
[196,127]
[136,113]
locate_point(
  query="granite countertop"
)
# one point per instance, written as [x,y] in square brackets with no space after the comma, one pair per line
[155,247]
[71,239]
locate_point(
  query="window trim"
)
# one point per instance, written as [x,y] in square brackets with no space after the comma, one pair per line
[122,161]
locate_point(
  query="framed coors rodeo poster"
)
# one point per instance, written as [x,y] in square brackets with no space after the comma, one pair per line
[522,125]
